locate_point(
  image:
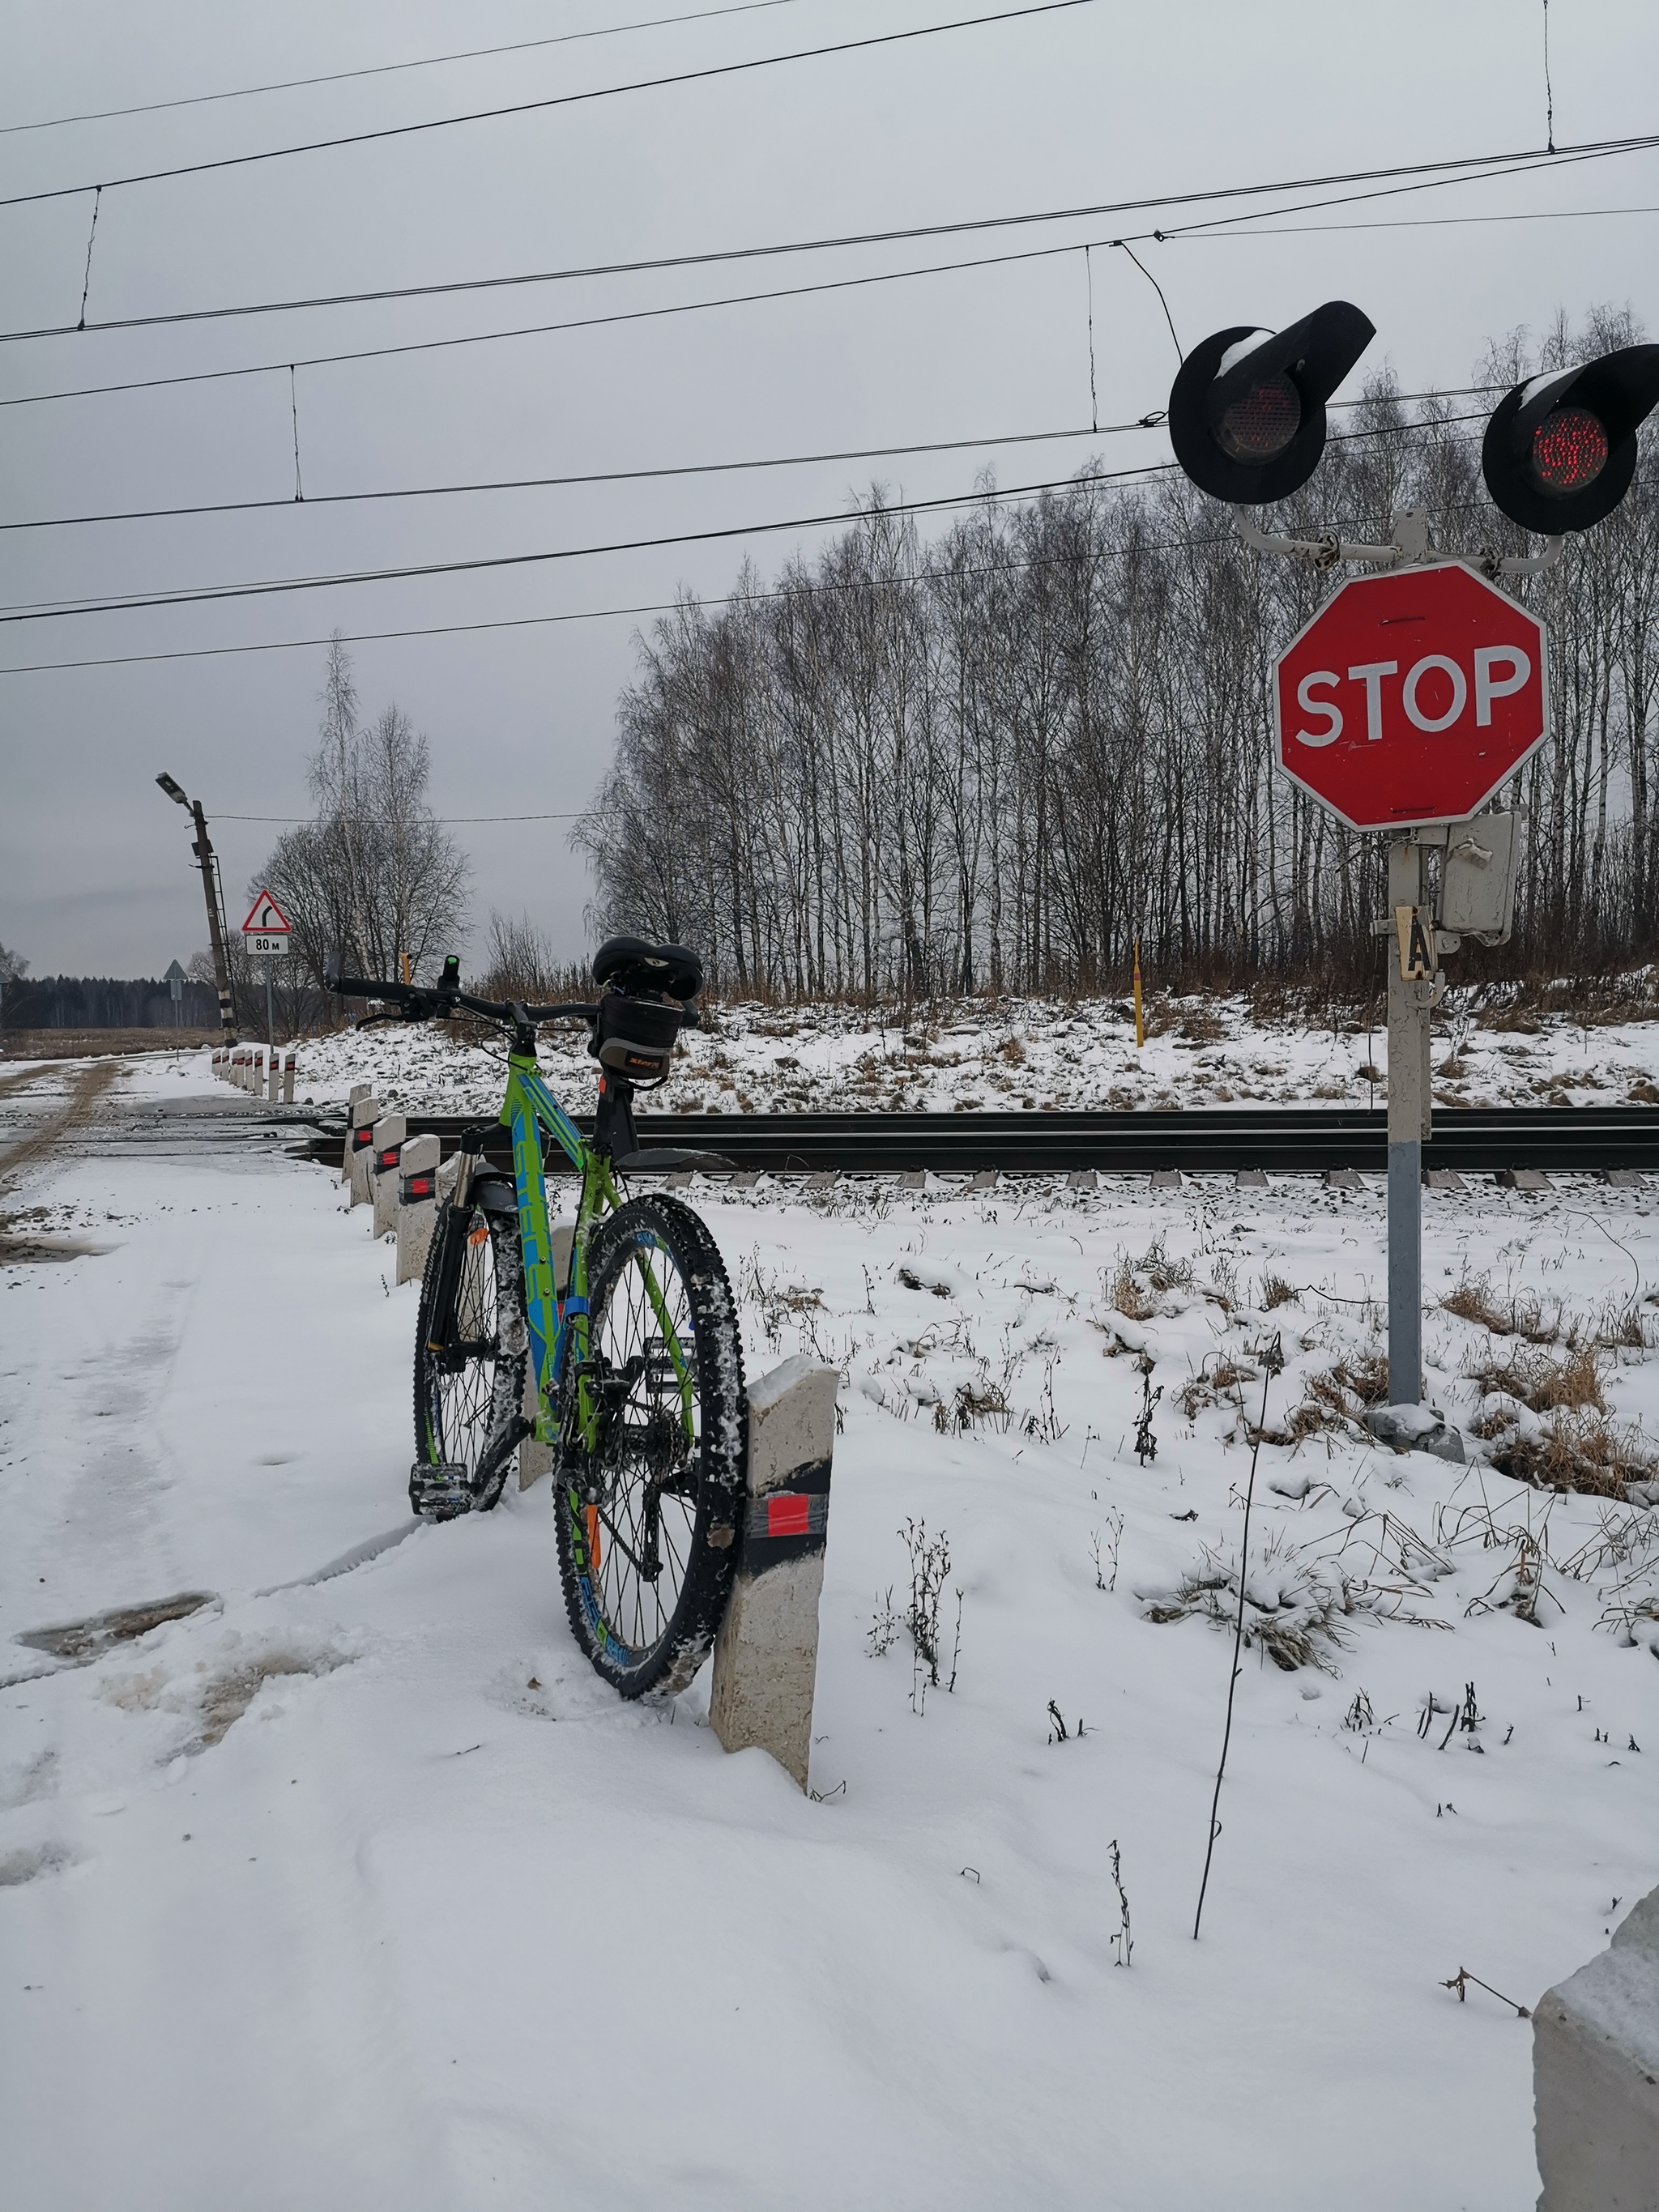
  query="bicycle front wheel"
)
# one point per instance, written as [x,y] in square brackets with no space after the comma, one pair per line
[649,1482]
[472,1346]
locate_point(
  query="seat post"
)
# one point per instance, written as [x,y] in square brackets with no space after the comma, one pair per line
[613,1120]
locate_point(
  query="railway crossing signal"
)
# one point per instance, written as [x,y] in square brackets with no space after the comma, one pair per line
[1247,412]
[1411,698]
[1559,452]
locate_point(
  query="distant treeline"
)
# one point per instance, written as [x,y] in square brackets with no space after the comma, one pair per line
[105,1002]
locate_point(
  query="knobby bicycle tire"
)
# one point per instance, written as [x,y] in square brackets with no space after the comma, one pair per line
[647,1519]
[470,1362]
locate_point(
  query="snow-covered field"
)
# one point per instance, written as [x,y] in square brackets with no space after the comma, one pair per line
[358,1888]
[1201,1052]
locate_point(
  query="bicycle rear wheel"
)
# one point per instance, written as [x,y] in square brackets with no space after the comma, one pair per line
[648,1503]
[472,1346]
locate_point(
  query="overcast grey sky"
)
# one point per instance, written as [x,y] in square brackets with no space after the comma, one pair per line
[1103,102]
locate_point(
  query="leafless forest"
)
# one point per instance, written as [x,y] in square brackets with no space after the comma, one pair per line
[988,759]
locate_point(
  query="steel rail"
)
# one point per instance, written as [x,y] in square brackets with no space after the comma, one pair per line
[1285,1139]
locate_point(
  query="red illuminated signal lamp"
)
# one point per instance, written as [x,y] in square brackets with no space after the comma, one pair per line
[1247,410]
[1559,451]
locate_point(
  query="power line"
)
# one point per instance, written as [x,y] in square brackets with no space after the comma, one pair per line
[1151,421]
[390,68]
[597,476]
[46,610]
[50,610]
[542,330]
[1430,175]
[1190,234]
[750,299]
[795,588]
[541,106]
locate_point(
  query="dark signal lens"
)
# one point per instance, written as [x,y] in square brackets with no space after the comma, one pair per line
[1569,450]
[1262,423]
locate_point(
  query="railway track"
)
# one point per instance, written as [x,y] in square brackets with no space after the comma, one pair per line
[1291,1140]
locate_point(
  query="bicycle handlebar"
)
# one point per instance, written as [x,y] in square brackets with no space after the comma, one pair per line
[426,1002]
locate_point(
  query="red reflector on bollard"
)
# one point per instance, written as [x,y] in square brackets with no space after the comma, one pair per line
[788,1515]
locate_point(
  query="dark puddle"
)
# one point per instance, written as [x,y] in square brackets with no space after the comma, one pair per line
[82,1641]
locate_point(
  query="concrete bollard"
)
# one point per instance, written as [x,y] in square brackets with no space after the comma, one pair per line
[766,1656]
[273,1077]
[536,1460]
[359,1092]
[417,1205]
[288,1077]
[360,1150]
[1595,2076]
[390,1132]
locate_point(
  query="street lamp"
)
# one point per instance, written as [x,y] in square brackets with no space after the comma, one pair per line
[203,849]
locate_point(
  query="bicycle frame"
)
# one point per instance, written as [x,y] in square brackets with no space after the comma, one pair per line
[558,1327]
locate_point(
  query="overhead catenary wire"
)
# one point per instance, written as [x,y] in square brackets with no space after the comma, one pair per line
[1424,176]
[390,130]
[54,609]
[390,68]
[796,587]
[1151,421]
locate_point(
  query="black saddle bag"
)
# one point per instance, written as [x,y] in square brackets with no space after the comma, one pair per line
[634,1037]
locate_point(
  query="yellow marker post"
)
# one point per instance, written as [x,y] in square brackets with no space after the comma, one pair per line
[1140,1026]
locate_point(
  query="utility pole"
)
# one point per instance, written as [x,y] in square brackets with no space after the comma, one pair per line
[203,849]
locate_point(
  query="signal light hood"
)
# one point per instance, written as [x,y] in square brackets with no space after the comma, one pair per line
[1312,355]
[1619,390]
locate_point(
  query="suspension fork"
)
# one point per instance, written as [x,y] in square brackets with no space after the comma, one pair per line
[452,1249]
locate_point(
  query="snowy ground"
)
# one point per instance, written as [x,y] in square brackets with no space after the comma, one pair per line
[363,1890]
[1201,1053]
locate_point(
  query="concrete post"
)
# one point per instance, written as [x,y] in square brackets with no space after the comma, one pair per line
[287,1076]
[389,1133]
[417,1205]
[536,1460]
[273,1075]
[1408,1022]
[1595,2076]
[766,1656]
[360,1151]
[359,1092]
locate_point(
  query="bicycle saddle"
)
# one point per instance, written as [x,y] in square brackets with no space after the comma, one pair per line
[629,963]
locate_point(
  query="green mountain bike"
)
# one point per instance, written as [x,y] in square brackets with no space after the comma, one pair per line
[614,1340]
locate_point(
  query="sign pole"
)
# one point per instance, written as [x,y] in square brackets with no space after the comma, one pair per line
[1410,997]
[270,1006]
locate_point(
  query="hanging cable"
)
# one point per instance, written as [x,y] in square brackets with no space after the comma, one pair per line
[1151,421]
[1430,176]
[781,292]
[1157,288]
[390,68]
[52,609]
[1088,273]
[556,100]
[86,282]
[605,614]
[1549,89]
[294,404]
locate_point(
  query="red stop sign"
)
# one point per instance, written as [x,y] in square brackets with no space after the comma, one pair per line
[1411,697]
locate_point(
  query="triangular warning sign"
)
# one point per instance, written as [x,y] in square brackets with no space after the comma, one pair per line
[267,917]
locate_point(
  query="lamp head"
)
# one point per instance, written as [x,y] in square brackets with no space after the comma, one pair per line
[172,790]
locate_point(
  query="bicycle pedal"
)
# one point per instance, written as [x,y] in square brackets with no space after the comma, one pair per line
[441,1493]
